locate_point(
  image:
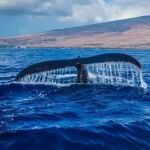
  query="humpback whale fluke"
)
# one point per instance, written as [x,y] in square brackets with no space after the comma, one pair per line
[79,63]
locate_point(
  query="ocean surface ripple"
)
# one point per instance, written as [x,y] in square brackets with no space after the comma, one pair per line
[78,116]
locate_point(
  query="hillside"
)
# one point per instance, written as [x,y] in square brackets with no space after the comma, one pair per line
[129,33]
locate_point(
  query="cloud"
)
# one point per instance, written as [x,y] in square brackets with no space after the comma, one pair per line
[81,11]
[102,10]
[35,7]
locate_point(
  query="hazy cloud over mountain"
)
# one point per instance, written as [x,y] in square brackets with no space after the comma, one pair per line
[75,11]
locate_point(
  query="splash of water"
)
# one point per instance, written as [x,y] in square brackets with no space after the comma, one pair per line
[114,73]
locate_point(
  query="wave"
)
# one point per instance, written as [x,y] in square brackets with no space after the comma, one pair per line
[24,87]
[110,135]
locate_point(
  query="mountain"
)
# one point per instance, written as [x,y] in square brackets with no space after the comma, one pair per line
[131,33]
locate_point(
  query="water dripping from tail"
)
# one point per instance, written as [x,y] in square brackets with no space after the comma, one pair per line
[108,73]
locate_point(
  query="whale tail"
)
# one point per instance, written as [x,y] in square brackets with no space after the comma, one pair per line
[79,63]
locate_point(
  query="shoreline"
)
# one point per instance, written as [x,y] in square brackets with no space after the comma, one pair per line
[80,48]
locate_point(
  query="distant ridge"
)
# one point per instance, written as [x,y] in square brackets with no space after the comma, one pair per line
[133,33]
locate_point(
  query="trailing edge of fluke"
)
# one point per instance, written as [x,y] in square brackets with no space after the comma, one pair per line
[57,64]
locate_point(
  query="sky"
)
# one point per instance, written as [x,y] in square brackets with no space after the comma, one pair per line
[34,16]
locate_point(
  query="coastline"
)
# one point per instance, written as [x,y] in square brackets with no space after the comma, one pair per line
[79,48]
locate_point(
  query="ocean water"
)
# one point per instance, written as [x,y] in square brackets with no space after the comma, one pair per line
[74,117]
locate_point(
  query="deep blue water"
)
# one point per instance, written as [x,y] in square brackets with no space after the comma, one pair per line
[44,117]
